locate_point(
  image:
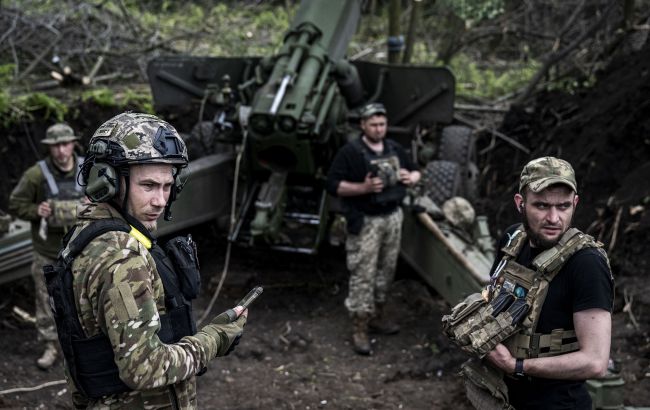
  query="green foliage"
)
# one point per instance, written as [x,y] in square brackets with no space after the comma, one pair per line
[14,109]
[475,10]
[140,101]
[490,82]
[231,31]
[572,85]
[129,98]
[6,74]
[435,350]
[102,96]
[6,71]
[36,101]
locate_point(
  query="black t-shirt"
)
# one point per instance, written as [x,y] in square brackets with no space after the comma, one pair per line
[350,165]
[584,282]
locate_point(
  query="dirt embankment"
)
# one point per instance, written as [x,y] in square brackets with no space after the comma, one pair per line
[605,133]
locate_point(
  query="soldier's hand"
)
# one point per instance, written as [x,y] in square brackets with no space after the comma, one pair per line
[500,356]
[44,210]
[373,184]
[228,332]
[405,177]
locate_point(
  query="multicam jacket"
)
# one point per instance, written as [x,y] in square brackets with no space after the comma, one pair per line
[119,292]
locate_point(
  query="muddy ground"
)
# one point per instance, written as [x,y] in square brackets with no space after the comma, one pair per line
[296,352]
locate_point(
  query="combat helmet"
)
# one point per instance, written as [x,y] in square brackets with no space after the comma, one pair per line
[130,139]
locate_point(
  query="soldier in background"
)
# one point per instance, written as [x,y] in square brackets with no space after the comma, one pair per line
[371,174]
[47,195]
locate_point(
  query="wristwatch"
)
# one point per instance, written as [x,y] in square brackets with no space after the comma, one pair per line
[519,368]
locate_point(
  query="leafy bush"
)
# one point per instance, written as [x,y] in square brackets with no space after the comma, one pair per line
[490,82]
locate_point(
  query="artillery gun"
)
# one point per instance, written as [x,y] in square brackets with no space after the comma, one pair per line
[270,127]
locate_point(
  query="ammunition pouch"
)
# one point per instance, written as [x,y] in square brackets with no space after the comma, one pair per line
[386,167]
[183,254]
[477,328]
[454,324]
[64,213]
[484,386]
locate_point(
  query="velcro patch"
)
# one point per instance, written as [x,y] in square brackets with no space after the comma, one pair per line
[123,302]
[105,130]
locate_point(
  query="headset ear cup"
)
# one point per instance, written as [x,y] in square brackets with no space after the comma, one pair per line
[103,183]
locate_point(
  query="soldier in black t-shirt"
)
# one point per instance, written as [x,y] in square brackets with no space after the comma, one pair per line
[577,307]
[371,174]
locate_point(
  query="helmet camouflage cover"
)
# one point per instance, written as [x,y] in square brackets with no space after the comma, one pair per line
[136,138]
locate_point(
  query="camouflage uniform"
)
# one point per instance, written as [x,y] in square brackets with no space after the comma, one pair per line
[371,259]
[23,203]
[119,292]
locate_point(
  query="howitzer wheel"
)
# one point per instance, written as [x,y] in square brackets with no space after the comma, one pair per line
[457,144]
[441,180]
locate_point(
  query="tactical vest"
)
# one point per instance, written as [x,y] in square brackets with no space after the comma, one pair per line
[508,310]
[63,194]
[90,360]
[386,167]
[61,187]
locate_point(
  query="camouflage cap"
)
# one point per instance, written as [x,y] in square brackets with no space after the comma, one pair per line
[140,138]
[543,172]
[372,109]
[58,134]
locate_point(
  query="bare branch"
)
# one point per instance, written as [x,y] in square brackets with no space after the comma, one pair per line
[556,56]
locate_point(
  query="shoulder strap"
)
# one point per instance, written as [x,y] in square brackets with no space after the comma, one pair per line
[51,183]
[551,260]
[95,229]
[516,241]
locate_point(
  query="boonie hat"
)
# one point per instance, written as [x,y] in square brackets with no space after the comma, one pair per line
[543,172]
[373,109]
[59,133]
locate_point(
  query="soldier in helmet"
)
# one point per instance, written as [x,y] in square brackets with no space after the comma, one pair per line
[47,196]
[371,174]
[121,301]
[547,322]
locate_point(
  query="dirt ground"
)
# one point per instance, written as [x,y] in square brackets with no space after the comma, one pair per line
[296,353]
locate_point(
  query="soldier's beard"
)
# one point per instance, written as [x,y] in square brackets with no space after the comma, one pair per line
[537,240]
